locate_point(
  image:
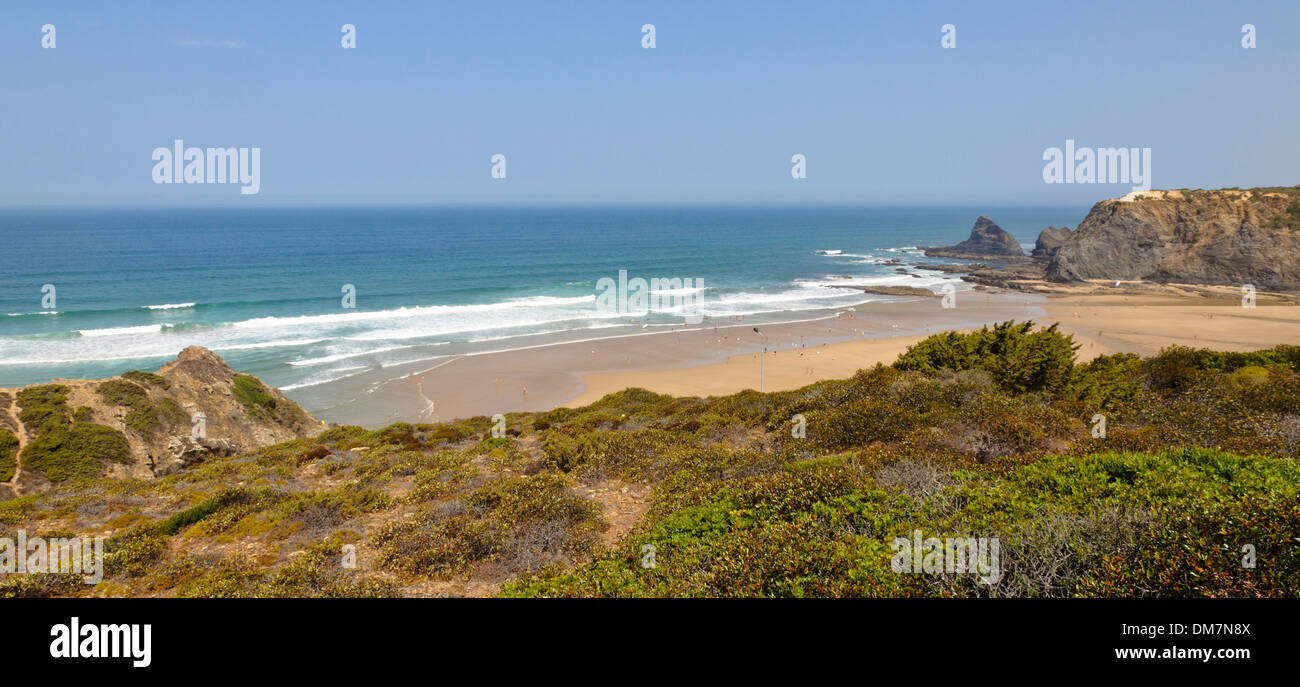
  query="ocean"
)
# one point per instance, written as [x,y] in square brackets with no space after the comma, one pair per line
[265,287]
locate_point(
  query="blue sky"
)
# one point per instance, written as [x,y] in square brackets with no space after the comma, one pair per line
[585,114]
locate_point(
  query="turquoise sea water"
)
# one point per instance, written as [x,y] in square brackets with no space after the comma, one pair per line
[263,287]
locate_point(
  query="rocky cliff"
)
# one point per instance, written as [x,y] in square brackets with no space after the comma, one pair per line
[140,424]
[987,241]
[1049,241]
[1228,236]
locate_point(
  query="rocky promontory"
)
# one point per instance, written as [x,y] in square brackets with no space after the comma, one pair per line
[139,424]
[1222,237]
[987,241]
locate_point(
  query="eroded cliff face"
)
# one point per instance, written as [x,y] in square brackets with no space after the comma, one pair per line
[140,424]
[1232,237]
[1049,241]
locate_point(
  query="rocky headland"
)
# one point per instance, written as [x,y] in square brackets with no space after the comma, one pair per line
[139,424]
[1180,242]
[1224,237]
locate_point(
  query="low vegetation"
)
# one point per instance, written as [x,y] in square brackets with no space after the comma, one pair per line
[260,403]
[66,444]
[8,454]
[145,416]
[147,379]
[1173,475]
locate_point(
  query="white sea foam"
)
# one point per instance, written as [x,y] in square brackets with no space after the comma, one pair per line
[120,331]
[309,345]
[350,354]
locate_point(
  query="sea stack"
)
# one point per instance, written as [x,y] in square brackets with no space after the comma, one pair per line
[987,241]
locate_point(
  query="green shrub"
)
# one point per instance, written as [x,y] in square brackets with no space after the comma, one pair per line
[144,417]
[147,378]
[1019,358]
[1176,368]
[189,516]
[44,407]
[259,402]
[79,451]
[8,454]
[120,392]
[250,392]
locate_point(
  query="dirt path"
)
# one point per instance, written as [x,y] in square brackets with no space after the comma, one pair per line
[622,505]
[21,433]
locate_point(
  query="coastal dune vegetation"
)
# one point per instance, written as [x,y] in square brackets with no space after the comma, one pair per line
[1171,475]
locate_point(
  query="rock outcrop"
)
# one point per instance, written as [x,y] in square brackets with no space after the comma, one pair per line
[1049,241]
[140,424]
[1224,237]
[186,450]
[987,241]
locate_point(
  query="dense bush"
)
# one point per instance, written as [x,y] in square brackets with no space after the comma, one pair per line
[1178,367]
[250,392]
[76,451]
[44,407]
[1018,357]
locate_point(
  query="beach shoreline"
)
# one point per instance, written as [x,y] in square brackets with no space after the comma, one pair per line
[555,373]
[718,358]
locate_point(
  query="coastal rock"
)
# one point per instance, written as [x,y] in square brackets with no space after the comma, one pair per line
[185,450]
[1227,237]
[900,291]
[1007,277]
[951,268]
[1049,241]
[987,241]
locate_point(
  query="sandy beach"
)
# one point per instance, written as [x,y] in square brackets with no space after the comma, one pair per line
[545,376]
[723,358]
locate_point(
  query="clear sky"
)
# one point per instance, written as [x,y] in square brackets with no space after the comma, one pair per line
[713,113]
